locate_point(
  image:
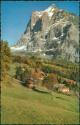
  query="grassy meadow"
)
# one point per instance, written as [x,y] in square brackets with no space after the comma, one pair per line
[21,105]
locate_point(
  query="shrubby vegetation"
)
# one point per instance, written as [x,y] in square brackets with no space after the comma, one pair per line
[55,71]
[44,72]
[47,69]
[50,80]
[5,56]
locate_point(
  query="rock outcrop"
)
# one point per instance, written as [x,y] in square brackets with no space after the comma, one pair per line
[52,33]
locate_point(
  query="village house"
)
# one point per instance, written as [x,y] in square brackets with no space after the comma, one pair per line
[64,90]
[61,88]
[68,81]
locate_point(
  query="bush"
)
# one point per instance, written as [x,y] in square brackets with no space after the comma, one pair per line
[50,80]
[47,69]
[22,73]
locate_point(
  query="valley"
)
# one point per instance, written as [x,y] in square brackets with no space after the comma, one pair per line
[40,79]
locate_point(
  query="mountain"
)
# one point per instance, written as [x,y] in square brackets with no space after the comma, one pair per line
[51,33]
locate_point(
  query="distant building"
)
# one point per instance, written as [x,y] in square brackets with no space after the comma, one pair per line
[64,90]
[61,88]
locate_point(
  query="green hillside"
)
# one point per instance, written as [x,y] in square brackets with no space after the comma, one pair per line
[42,103]
[21,105]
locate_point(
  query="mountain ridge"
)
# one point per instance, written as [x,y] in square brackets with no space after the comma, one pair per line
[52,33]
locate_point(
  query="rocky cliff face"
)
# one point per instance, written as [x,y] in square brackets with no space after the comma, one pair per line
[52,33]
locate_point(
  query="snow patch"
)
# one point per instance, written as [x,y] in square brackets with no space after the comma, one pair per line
[18,48]
[62,34]
[39,14]
[33,24]
[54,38]
[50,10]
[44,54]
[50,14]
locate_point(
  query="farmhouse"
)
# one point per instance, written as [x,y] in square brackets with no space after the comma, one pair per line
[61,88]
[68,81]
[64,90]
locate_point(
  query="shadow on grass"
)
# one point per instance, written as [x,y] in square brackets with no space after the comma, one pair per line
[61,98]
[41,91]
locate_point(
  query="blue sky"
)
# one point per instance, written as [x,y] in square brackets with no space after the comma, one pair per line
[15,16]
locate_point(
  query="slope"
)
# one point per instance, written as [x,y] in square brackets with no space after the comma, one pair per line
[21,105]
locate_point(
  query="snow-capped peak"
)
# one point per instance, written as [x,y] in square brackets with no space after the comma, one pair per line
[50,10]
